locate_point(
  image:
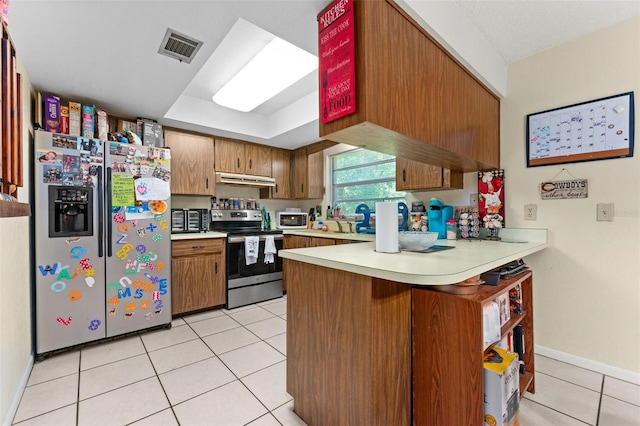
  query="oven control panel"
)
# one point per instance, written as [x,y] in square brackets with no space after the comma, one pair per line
[236,215]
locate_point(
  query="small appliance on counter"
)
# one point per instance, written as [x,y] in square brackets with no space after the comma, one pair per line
[437,215]
[189,220]
[292,218]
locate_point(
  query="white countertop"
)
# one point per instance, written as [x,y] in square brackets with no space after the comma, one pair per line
[467,259]
[198,235]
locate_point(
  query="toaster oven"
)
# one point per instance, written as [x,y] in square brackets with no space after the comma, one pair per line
[189,220]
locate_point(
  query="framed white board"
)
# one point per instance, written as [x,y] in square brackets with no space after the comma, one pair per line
[595,130]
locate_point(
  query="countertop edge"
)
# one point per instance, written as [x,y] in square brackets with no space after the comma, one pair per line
[383,270]
[198,235]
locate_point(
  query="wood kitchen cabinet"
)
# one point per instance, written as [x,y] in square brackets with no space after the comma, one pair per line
[281,172]
[448,351]
[242,158]
[412,175]
[229,156]
[258,160]
[192,158]
[308,177]
[416,102]
[198,274]
[299,241]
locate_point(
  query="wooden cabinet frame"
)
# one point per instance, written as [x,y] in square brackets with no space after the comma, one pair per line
[414,99]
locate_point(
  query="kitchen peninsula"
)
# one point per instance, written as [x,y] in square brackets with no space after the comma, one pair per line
[370,342]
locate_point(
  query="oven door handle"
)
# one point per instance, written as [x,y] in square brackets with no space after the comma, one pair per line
[232,240]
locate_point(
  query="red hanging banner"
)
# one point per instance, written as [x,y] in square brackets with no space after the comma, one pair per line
[337,53]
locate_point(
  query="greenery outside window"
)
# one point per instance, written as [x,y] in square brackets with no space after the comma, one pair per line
[361,176]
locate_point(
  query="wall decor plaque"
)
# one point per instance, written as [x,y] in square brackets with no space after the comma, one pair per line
[563,189]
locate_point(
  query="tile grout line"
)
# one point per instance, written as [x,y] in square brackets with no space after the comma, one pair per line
[600,401]
[232,372]
[557,411]
[78,390]
[569,382]
[161,386]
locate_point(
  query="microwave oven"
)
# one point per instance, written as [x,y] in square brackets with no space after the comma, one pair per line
[291,220]
[189,220]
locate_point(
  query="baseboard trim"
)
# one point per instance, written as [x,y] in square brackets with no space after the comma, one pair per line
[18,395]
[607,370]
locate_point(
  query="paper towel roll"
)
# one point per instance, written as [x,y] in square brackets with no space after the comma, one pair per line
[387,228]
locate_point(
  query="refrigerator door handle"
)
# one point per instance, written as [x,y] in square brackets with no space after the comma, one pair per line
[108,212]
[100,214]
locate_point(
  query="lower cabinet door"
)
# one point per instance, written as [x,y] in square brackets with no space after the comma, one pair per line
[198,282]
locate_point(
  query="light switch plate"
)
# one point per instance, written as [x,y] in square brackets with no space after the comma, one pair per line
[604,212]
[473,199]
[530,212]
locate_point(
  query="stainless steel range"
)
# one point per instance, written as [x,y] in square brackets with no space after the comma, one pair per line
[250,279]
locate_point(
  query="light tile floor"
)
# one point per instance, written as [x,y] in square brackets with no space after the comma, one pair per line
[228,368]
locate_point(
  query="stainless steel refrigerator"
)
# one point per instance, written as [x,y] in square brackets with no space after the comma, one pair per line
[102,239]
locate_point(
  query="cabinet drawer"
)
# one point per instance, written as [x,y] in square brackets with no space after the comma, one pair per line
[196,247]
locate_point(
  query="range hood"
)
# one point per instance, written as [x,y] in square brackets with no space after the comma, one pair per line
[246,180]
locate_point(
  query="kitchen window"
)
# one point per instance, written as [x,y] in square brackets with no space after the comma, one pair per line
[360,176]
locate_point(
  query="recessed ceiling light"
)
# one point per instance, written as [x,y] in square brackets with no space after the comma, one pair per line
[273,69]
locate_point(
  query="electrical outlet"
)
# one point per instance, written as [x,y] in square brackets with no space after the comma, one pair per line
[604,212]
[530,211]
[473,199]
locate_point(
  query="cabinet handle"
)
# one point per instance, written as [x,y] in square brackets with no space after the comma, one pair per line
[250,164]
[207,183]
[302,188]
[238,161]
[216,269]
[197,247]
[276,188]
[404,175]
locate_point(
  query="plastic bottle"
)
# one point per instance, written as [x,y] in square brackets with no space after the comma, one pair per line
[452,229]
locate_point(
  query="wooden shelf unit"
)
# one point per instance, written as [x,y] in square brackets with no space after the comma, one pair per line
[448,351]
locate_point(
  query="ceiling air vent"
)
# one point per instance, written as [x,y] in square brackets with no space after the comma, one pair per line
[179,46]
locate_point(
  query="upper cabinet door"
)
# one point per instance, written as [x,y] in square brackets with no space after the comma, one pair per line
[230,156]
[412,175]
[192,158]
[281,172]
[300,176]
[257,160]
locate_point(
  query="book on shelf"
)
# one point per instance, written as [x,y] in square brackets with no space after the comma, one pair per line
[518,344]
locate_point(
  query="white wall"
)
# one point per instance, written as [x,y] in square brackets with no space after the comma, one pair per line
[587,283]
[15,288]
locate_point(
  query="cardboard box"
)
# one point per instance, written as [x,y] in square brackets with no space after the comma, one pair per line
[88,112]
[75,118]
[52,113]
[64,119]
[124,125]
[501,387]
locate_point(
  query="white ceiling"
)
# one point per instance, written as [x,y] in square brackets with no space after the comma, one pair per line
[105,53]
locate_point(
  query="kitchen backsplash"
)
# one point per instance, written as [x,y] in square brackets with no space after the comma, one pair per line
[458,197]
[229,191]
